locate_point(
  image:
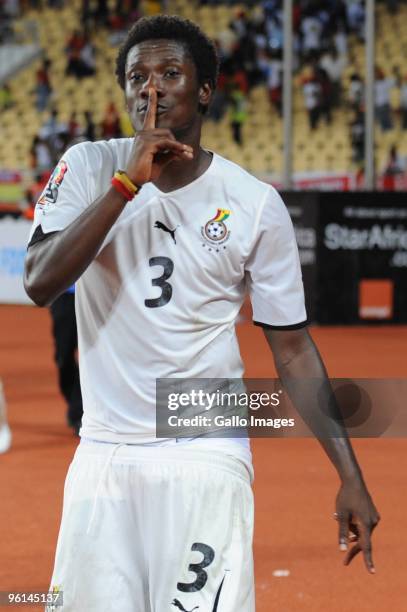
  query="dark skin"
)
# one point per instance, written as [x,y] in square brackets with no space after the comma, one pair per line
[163,97]
[302,372]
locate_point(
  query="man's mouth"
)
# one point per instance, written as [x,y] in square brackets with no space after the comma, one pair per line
[160,109]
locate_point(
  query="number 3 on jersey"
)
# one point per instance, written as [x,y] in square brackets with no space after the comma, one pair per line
[160,281]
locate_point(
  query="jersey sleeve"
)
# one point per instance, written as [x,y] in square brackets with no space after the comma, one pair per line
[65,196]
[273,270]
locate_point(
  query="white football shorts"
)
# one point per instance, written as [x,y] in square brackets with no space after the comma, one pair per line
[155,530]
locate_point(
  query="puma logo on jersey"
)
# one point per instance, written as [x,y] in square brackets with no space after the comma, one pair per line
[179,605]
[163,227]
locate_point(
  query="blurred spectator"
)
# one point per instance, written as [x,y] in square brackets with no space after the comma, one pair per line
[356,92]
[326,98]
[6,26]
[219,101]
[124,12]
[392,6]
[73,49]
[334,66]
[65,335]
[40,154]
[394,167]
[357,136]
[56,135]
[94,15]
[43,87]
[90,130]
[403,104]
[312,99]
[311,29]
[382,88]
[74,129]
[238,113]
[87,57]
[11,8]
[356,17]
[101,12]
[240,24]
[81,55]
[340,40]
[110,126]
[274,81]
[6,97]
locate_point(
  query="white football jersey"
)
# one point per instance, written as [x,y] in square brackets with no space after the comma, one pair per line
[160,299]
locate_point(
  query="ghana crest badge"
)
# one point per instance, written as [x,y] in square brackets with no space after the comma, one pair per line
[215,232]
[50,194]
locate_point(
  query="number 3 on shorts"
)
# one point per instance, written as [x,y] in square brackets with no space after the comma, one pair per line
[198,569]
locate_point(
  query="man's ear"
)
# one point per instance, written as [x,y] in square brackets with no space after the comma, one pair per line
[205,94]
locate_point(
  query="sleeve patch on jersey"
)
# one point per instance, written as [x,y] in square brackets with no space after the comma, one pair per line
[50,193]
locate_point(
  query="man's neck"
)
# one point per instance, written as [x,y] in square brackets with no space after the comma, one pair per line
[180,173]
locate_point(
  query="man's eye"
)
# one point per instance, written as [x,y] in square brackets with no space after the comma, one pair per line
[172,72]
[136,78]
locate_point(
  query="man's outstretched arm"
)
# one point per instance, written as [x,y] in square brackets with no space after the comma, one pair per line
[305,379]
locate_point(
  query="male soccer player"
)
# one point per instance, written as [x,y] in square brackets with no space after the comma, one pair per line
[162,238]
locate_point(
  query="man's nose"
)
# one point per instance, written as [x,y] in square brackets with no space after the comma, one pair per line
[153,81]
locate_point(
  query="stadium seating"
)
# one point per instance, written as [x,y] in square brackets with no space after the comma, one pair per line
[326,149]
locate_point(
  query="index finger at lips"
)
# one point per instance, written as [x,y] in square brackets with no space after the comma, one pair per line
[149,121]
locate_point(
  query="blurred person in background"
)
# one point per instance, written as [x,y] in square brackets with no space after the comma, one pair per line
[394,167]
[6,97]
[73,47]
[5,433]
[11,8]
[74,128]
[55,133]
[65,336]
[312,99]
[110,126]
[357,136]
[40,154]
[43,87]
[334,66]
[220,100]
[355,12]
[356,92]
[90,129]
[311,30]
[403,103]
[81,55]
[382,91]
[87,56]
[274,80]
[326,97]
[392,6]
[238,113]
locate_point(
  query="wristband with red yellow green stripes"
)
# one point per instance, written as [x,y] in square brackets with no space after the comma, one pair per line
[122,183]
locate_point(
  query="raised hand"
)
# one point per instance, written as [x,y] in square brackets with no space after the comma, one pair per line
[154,148]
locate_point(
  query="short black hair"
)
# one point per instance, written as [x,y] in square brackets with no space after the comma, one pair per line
[172,27]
